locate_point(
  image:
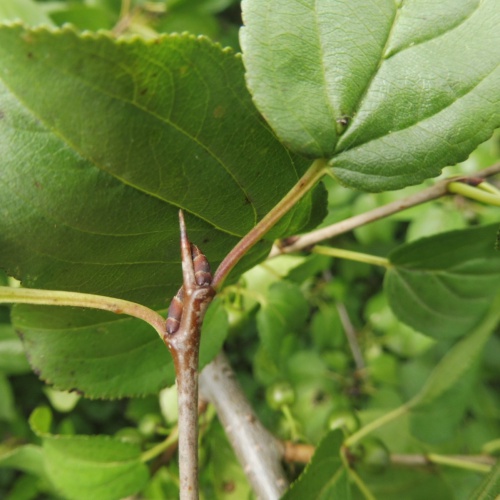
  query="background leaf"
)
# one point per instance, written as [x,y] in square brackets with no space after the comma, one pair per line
[489,487]
[84,467]
[29,11]
[438,407]
[443,285]
[284,310]
[389,94]
[325,476]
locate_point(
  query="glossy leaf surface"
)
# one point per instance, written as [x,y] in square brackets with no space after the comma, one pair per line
[444,284]
[388,94]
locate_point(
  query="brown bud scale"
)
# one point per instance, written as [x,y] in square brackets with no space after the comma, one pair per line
[202,271]
[175,312]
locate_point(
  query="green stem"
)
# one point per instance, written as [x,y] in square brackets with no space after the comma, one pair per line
[489,188]
[348,254]
[74,299]
[474,193]
[458,462]
[376,424]
[303,186]
[361,485]
[294,433]
[161,447]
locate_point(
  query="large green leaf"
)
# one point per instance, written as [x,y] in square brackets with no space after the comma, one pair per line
[102,357]
[325,476]
[102,141]
[443,285]
[439,406]
[83,467]
[390,91]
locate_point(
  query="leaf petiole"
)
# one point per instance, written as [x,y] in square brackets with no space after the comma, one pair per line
[349,254]
[474,193]
[9,295]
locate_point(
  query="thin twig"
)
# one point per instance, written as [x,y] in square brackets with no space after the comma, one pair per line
[352,337]
[184,345]
[257,450]
[440,189]
[302,454]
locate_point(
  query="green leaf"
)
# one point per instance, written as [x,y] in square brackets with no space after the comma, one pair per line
[113,138]
[282,311]
[490,486]
[228,477]
[83,467]
[7,408]
[325,476]
[29,11]
[437,409]
[444,284]
[101,357]
[12,356]
[388,94]
[28,458]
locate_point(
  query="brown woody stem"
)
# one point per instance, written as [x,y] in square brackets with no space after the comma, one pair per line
[431,193]
[184,345]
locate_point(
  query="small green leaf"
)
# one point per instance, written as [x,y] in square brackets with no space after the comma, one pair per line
[29,11]
[325,476]
[228,477]
[12,356]
[28,458]
[444,284]
[284,310]
[383,91]
[490,485]
[437,409]
[83,467]
[101,356]
[7,408]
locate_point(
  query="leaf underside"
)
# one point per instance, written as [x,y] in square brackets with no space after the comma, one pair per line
[388,94]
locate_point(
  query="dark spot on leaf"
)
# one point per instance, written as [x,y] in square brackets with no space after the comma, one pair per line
[205,240]
[30,55]
[143,91]
[2,114]
[38,185]
[248,201]
[219,111]
[318,397]
[228,486]
[76,391]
